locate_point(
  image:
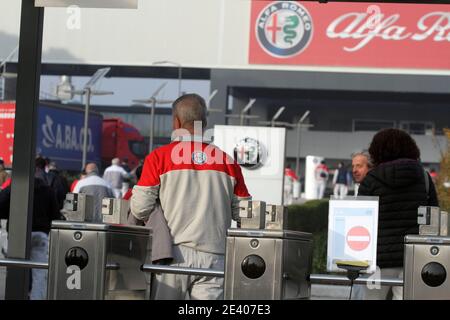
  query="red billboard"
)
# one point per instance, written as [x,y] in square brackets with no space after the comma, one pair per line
[7,115]
[412,36]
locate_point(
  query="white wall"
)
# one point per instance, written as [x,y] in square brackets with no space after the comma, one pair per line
[195,33]
[190,32]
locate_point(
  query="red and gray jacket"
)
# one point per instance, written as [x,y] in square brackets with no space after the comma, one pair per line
[199,187]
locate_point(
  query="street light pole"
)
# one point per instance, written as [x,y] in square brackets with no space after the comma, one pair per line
[297,160]
[86,126]
[152,101]
[180,72]
[152,120]
[276,116]
[180,76]
[88,92]
[246,108]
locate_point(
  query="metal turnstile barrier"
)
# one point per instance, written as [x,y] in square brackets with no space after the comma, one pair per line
[426,271]
[265,260]
[79,253]
[112,261]
[267,264]
[427,257]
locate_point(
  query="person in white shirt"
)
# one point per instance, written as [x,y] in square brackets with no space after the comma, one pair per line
[115,175]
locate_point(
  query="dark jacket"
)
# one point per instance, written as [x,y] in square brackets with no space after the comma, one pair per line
[59,185]
[45,206]
[400,184]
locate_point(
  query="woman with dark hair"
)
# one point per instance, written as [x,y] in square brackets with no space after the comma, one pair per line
[398,179]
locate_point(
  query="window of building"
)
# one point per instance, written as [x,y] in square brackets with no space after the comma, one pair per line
[372,125]
[417,127]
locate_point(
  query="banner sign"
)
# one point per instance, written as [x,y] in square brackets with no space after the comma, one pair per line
[7,116]
[352,231]
[350,34]
[60,136]
[260,151]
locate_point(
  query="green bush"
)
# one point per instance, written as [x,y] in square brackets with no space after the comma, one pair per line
[312,217]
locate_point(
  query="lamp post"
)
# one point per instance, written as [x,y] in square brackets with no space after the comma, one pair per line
[88,92]
[299,125]
[180,72]
[208,102]
[273,121]
[152,101]
[277,115]
[242,116]
[3,72]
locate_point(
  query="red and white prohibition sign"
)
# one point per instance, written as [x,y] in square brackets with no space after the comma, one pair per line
[358,238]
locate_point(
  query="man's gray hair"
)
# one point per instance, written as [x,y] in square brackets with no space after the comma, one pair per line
[190,108]
[366,154]
[91,168]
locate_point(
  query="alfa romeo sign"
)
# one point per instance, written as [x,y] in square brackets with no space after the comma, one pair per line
[284,29]
[373,35]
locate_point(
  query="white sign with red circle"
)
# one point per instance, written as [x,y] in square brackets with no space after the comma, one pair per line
[352,232]
[358,238]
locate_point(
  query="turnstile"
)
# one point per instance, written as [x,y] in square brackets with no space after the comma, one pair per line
[427,257]
[426,268]
[267,264]
[92,261]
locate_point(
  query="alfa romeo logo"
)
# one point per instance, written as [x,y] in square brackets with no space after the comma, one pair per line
[249,153]
[284,29]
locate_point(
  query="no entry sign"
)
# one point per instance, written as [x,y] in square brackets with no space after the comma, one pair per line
[358,238]
[352,231]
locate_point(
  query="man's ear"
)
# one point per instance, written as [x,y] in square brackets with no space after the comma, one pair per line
[176,123]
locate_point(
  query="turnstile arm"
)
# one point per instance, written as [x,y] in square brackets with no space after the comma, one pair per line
[20,263]
[180,270]
[343,280]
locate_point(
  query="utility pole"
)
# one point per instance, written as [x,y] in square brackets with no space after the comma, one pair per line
[88,92]
[152,101]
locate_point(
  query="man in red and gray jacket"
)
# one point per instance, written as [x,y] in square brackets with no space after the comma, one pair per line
[199,187]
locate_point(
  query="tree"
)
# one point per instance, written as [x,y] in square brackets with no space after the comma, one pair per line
[443,182]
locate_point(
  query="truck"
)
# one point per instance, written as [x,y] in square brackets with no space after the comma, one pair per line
[60,136]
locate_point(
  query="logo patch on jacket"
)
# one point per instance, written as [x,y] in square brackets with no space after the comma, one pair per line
[199,157]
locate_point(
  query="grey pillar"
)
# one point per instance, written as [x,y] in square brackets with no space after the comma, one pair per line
[20,218]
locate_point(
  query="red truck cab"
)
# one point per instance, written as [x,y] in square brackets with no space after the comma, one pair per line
[121,140]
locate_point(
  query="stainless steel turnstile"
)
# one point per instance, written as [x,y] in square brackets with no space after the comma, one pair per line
[90,261]
[426,269]
[267,264]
